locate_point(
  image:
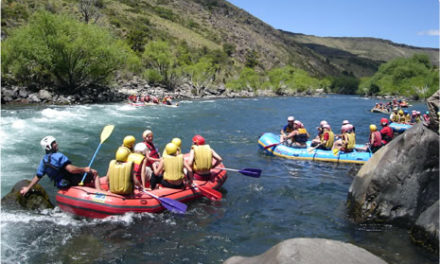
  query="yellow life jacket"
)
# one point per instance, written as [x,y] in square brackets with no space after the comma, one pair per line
[331,139]
[119,177]
[137,160]
[351,141]
[407,118]
[395,118]
[202,158]
[173,167]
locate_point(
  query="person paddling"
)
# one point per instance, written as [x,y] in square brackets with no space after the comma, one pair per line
[172,166]
[60,169]
[287,130]
[200,158]
[120,174]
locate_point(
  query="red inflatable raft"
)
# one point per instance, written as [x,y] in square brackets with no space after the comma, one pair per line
[88,202]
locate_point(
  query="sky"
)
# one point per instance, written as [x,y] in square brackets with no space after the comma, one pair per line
[410,22]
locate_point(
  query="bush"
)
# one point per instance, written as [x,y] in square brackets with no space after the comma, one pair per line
[60,50]
[412,77]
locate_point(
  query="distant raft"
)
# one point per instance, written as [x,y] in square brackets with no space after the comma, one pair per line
[399,128]
[378,110]
[284,151]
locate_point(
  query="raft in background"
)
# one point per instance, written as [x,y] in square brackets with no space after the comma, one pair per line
[317,154]
[377,110]
[399,128]
[91,203]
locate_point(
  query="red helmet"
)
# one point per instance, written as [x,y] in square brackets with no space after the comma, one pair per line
[198,140]
[384,120]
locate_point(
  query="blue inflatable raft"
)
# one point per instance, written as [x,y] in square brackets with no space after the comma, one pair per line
[399,128]
[284,151]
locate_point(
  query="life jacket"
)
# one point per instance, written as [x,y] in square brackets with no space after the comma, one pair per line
[331,139]
[202,158]
[54,167]
[137,160]
[394,117]
[173,168]
[153,152]
[401,118]
[119,177]
[377,139]
[387,134]
[351,141]
[407,118]
[288,129]
[302,136]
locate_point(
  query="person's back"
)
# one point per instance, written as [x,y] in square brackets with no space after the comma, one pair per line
[173,169]
[350,141]
[375,138]
[327,138]
[138,158]
[202,159]
[120,173]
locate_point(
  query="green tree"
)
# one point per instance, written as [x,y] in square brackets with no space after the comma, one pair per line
[249,79]
[61,51]
[414,77]
[201,74]
[159,57]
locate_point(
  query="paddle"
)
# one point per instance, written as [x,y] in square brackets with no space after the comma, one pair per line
[311,149]
[251,172]
[170,204]
[106,132]
[272,145]
[210,193]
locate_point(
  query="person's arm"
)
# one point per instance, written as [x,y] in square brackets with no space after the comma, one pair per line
[189,173]
[143,172]
[77,170]
[34,181]
[190,159]
[158,170]
[151,158]
[217,158]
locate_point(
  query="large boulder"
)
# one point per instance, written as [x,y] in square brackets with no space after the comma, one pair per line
[311,251]
[425,231]
[433,102]
[36,198]
[400,181]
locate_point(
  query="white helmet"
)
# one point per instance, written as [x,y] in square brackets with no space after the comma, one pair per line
[140,148]
[146,133]
[345,122]
[291,118]
[46,143]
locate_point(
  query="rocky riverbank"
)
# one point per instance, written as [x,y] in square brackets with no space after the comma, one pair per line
[12,94]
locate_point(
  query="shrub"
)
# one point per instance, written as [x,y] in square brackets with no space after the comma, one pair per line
[69,54]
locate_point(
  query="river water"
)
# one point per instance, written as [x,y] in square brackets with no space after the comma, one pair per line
[291,199]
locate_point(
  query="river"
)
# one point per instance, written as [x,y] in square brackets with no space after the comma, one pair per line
[291,199]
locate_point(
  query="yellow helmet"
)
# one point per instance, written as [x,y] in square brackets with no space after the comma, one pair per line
[171,148]
[373,127]
[129,141]
[122,154]
[177,142]
[400,112]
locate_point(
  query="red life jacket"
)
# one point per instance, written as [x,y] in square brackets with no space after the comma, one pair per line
[377,139]
[153,153]
[387,134]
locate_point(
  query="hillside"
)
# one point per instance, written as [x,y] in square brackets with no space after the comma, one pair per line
[360,54]
[216,24]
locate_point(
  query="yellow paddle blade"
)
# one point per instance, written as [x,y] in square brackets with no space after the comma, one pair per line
[335,151]
[106,132]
